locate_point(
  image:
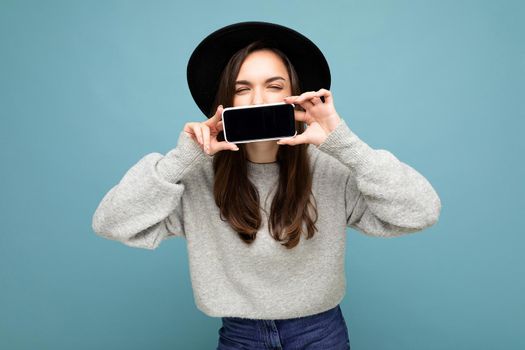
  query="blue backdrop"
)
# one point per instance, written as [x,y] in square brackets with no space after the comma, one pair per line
[87,88]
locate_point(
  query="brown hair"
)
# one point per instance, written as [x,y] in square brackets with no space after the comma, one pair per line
[234,193]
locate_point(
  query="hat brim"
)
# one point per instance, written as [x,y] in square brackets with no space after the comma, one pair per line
[210,57]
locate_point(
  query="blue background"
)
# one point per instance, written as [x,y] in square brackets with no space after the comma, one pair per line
[89,87]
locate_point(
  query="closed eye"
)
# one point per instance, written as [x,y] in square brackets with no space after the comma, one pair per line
[272,87]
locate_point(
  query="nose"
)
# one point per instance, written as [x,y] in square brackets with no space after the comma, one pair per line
[258,97]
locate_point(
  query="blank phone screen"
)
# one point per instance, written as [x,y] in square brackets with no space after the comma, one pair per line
[265,122]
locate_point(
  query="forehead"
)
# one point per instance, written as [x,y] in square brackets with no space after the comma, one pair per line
[261,64]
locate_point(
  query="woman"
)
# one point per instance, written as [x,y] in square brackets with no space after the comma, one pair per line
[265,222]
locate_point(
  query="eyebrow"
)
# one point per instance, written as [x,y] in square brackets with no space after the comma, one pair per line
[267,80]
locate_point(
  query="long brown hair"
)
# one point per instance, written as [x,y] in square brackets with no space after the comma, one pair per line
[234,193]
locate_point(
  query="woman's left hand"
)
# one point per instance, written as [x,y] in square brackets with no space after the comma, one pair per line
[320,117]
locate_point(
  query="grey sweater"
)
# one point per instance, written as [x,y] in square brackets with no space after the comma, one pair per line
[354,186]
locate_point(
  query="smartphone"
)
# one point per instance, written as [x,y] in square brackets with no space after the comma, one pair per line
[261,122]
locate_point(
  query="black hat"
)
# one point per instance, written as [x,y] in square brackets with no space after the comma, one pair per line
[213,53]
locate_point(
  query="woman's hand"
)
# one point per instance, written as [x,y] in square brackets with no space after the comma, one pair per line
[205,134]
[321,117]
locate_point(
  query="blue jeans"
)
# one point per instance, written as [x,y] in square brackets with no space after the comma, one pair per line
[324,331]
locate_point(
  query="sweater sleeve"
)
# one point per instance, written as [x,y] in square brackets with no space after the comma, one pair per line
[384,196]
[145,206]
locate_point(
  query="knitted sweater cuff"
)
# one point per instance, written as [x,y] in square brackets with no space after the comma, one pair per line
[348,148]
[178,160]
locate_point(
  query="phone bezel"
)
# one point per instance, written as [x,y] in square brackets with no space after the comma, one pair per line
[255,106]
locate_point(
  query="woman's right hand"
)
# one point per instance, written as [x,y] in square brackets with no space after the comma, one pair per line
[205,134]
